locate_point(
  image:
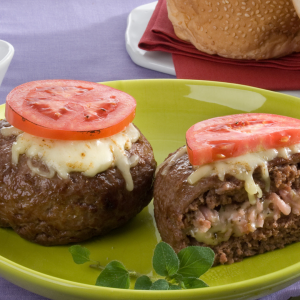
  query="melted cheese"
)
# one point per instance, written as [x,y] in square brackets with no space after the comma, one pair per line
[242,167]
[171,160]
[11,130]
[213,227]
[88,156]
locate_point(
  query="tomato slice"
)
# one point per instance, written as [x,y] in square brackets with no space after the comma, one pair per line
[69,109]
[231,136]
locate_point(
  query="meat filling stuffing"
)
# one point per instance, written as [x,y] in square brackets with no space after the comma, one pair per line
[216,223]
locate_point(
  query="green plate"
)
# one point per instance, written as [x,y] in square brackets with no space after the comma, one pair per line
[165,110]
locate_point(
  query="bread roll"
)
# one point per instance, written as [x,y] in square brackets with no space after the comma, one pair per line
[240,29]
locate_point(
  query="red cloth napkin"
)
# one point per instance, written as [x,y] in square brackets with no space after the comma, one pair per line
[190,63]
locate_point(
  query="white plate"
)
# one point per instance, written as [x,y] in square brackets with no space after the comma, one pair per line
[136,25]
[155,60]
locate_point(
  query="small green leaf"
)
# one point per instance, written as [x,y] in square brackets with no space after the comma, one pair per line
[195,261]
[80,254]
[177,277]
[160,284]
[174,287]
[143,283]
[114,275]
[193,283]
[165,260]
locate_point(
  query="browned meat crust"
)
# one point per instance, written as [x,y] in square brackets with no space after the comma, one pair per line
[59,211]
[175,202]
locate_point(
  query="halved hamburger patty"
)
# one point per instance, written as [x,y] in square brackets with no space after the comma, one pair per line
[217,213]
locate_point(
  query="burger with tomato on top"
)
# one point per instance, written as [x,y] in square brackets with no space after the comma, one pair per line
[234,187]
[72,166]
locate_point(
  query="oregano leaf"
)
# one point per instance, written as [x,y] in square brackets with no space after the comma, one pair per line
[174,287]
[193,283]
[114,275]
[182,271]
[195,261]
[165,260]
[160,284]
[80,254]
[143,283]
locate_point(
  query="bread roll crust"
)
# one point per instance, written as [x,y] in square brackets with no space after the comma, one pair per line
[239,29]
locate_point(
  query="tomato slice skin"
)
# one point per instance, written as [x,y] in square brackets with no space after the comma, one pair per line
[69,109]
[234,135]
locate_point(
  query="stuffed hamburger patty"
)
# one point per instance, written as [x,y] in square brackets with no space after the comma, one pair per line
[73,165]
[234,187]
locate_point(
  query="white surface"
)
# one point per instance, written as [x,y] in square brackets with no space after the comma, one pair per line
[155,60]
[297,6]
[6,54]
[136,25]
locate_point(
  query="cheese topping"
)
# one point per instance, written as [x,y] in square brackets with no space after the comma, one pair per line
[242,167]
[171,161]
[88,156]
[11,130]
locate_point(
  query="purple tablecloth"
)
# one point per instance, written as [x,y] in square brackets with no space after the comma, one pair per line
[69,39]
[72,39]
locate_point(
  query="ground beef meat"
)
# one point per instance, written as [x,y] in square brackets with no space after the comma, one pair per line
[177,203]
[274,235]
[54,211]
[284,176]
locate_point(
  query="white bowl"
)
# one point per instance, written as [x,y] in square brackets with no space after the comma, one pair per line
[6,54]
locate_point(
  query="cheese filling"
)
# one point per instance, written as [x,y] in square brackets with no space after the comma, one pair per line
[213,227]
[87,156]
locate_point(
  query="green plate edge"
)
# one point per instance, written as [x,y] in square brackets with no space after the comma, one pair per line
[57,288]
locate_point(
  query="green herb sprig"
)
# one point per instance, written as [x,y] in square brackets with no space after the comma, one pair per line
[178,271]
